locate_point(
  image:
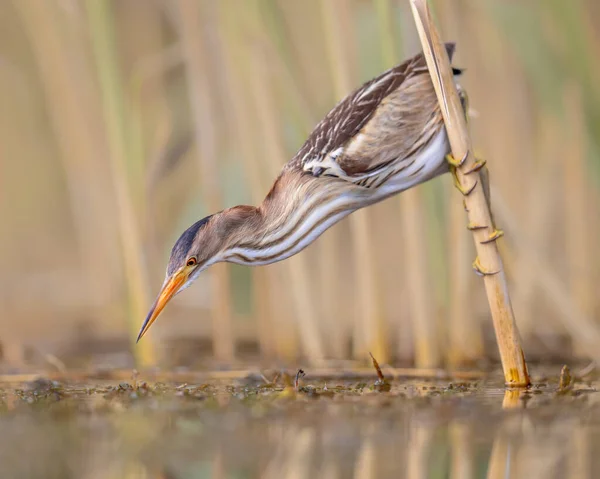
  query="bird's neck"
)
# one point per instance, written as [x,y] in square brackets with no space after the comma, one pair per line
[297,210]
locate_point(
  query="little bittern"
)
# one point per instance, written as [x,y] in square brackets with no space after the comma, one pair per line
[385,137]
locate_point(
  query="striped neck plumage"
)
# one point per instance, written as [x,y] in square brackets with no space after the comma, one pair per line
[294,214]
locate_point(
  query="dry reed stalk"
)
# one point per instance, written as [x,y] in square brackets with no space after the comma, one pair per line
[218,467]
[413,215]
[240,115]
[150,107]
[370,332]
[577,207]
[365,466]
[513,149]
[580,458]
[538,218]
[263,314]
[428,353]
[100,20]
[419,449]
[463,457]
[335,322]
[501,463]
[283,319]
[330,467]
[65,81]
[137,47]
[296,268]
[203,115]
[327,249]
[465,339]
[303,447]
[286,65]
[513,399]
[488,257]
[580,327]
[148,64]
[287,339]
[595,261]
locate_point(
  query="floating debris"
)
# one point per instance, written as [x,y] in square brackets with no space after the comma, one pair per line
[299,375]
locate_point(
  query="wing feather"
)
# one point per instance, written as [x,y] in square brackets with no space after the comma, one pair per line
[344,144]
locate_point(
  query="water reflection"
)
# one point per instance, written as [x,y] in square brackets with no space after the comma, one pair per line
[493,434]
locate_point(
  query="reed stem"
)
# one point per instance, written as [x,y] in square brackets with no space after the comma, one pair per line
[488,259]
[370,331]
[413,214]
[577,208]
[296,268]
[204,114]
[465,339]
[102,33]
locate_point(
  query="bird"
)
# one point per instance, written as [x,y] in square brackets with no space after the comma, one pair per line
[383,138]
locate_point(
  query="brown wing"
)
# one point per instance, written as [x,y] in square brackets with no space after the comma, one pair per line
[344,122]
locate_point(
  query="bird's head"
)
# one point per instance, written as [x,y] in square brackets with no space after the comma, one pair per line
[201,245]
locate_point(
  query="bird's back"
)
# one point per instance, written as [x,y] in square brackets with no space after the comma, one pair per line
[384,121]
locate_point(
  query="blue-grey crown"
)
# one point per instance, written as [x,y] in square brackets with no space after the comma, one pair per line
[181,248]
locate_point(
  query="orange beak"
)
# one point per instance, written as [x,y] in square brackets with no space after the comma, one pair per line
[168,290]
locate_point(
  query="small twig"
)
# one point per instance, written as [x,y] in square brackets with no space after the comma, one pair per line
[134,377]
[299,375]
[377,368]
[381,384]
[565,384]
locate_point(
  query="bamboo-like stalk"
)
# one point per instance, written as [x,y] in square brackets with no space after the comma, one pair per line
[580,327]
[148,65]
[580,455]
[240,115]
[218,469]
[102,34]
[461,442]
[327,249]
[512,399]
[370,333]
[203,113]
[514,149]
[419,450]
[365,466]
[427,352]
[422,311]
[488,259]
[501,463]
[291,457]
[65,80]
[283,319]
[465,340]
[293,271]
[330,467]
[577,209]
[538,219]
[297,267]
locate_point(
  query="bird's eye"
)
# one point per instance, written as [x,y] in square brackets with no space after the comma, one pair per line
[191,262]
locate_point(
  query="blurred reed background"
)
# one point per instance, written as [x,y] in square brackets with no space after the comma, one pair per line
[124,121]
